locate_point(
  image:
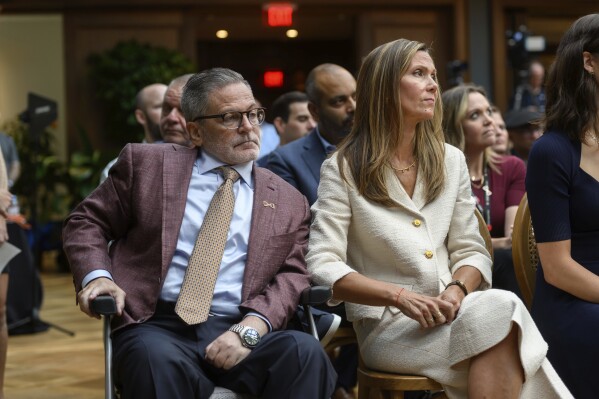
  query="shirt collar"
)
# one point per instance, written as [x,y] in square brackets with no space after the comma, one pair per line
[325,144]
[206,163]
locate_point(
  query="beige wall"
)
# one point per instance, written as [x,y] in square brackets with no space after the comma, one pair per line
[32,60]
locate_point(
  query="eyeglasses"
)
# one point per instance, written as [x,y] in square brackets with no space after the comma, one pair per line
[234,119]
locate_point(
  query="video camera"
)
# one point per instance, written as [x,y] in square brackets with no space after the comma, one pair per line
[40,113]
[520,44]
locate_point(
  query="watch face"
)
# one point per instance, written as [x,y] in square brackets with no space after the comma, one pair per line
[251,337]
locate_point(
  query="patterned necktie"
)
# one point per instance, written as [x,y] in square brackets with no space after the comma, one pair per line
[197,290]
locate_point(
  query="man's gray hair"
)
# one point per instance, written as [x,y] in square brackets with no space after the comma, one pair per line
[199,88]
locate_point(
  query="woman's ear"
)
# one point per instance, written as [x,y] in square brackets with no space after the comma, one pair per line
[589,63]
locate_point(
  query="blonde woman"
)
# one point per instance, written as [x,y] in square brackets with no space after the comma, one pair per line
[395,236]
[497,181]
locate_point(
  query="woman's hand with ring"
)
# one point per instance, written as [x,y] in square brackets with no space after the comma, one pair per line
[428,311]
[440,317]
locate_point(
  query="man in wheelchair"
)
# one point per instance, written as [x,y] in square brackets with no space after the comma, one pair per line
[207,260]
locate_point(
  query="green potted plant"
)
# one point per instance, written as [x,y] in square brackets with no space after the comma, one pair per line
[120,72]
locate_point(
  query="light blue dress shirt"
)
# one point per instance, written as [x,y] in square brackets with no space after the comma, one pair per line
[269,139]
[205,180]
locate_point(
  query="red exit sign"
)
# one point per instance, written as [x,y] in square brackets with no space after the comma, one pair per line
[279,14]
[274,78]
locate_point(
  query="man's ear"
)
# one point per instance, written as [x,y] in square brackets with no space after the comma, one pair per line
[279,124]
[313,111]
[140,117]
[194,133]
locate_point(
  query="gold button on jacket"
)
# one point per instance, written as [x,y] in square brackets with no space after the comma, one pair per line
[417,222]
[428,254]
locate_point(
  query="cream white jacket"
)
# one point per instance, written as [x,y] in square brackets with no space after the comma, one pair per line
[415,245]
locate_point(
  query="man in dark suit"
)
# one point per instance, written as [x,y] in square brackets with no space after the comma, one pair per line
[331,90]
[153,205]
[291,118]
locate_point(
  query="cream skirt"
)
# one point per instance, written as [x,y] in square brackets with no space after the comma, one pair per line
[396,343]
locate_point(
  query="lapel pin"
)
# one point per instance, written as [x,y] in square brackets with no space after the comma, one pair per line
[268,204]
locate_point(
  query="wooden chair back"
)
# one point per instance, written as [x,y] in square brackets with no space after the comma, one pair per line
[524,251]
[484,232]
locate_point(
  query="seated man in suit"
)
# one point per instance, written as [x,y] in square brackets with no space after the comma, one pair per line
[291,118]
[148,106]
[331,91]
[207,263]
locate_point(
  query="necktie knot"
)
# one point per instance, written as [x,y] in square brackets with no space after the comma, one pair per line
[229,173]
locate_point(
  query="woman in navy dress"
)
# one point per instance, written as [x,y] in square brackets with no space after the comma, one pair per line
[563,192]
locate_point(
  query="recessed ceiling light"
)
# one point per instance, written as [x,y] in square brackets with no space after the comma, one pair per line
[292,33]
[222,34]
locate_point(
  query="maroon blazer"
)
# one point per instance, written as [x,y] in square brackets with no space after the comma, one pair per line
[140,206]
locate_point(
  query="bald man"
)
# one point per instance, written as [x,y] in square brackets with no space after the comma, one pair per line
[531,95]
[331,91]
[161,113]
[172,122]
[148,111]
[148,103]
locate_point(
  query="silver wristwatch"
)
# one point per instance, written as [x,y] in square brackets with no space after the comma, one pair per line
[248,335]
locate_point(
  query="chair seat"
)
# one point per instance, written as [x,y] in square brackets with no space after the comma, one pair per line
[377,384]
[343,336]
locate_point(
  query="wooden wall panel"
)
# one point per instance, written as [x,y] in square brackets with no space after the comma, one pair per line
[549,18]
[428,27]
[85,35]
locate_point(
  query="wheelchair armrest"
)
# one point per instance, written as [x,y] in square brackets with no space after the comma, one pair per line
[104,305]
[315,295]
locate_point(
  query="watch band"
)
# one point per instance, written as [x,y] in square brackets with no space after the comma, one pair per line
[249,336]
[459,284]
[236,328]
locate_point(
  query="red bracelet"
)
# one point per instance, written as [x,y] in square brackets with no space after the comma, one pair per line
[398,295]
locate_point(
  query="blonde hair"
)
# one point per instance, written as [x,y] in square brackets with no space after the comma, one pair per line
[455,107]
[378,122]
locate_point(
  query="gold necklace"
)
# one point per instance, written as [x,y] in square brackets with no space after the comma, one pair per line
[404,170]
